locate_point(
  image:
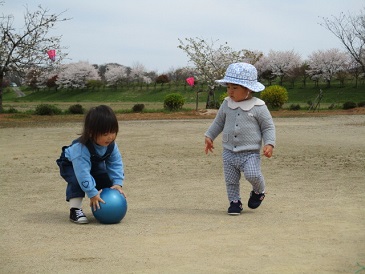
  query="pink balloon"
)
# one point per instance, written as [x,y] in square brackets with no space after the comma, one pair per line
[52,54]
[190,81]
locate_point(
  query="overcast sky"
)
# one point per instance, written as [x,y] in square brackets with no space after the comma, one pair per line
[147,32]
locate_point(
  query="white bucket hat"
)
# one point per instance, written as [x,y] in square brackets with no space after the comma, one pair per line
[242,74]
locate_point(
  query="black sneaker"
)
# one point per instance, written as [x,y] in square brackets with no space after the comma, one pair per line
[78,216]
[235,208]
[255,200]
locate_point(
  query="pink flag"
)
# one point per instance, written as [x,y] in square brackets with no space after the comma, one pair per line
[52,54]
[190,81]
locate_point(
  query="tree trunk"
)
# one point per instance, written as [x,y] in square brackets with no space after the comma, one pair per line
[1,92]
[197,100]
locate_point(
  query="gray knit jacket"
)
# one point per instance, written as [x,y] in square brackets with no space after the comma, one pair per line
[243,130]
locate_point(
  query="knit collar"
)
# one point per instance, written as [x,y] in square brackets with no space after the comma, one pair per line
[246,104]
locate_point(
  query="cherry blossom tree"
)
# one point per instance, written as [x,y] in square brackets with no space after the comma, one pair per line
[281,63]
[27,47]
[138,73]
[350,30]
[115,74]
[76,75]
[326,64]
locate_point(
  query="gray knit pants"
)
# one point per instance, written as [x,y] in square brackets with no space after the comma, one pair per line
[247,162]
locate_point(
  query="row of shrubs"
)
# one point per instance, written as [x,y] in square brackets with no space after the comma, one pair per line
[47,109]
[172,102]
[175,101]
[346,105]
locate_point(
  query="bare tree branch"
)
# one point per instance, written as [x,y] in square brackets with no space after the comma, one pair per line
[27,47]
[350,30]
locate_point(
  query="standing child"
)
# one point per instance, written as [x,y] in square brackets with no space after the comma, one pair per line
[246,123]
[92,162]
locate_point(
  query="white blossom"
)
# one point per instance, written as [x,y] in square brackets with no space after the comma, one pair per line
[115,74]
[280,63]
[326,63]
[76,75]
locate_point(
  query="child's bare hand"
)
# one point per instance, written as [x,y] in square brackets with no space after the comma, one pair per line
[94,201]
[119,188]
[268,150]
[208,145]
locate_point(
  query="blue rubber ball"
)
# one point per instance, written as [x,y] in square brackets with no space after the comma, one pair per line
[114,209]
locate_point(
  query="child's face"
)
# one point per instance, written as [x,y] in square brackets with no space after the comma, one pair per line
[237,93]
[105,139]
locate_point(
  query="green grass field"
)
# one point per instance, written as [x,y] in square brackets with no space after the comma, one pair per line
[153,95]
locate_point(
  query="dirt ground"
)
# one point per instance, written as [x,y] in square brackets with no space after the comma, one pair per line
[312,219]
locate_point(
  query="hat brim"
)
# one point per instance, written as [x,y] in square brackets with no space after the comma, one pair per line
[255,86]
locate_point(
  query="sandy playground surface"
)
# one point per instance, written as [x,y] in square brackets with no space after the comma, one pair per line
[312,220]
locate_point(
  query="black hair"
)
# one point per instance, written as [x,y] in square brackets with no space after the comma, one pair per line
[98,120]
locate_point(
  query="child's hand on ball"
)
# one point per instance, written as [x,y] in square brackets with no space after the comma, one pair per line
[119,188]
[94,201]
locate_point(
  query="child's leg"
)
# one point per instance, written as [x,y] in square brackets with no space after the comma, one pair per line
[232,176]
[74,195]
[73,189]
[253,174]
[76,202]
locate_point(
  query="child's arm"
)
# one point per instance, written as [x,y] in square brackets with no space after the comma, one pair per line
[215,128]
[79,155]
[115,167]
